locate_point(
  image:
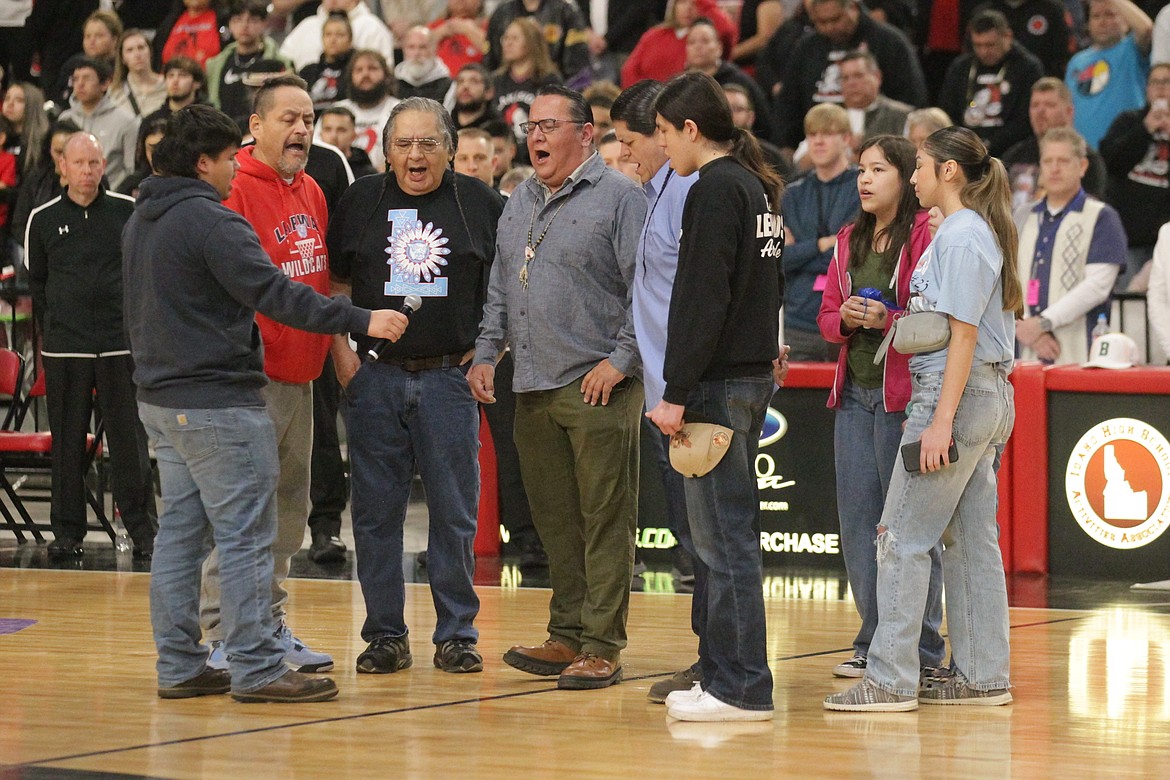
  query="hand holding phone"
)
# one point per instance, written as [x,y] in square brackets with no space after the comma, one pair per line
[912,455]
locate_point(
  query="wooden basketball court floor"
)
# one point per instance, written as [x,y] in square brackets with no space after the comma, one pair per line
[1092,696]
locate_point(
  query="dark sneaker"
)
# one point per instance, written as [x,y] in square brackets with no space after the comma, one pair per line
[533,557]
[385,655]
[679,681]
[209,682]
[683,568]
[327,549]
[458,656]
[291,688]
[66,548]
[854,667]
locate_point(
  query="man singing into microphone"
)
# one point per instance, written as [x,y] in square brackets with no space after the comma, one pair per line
[420,229]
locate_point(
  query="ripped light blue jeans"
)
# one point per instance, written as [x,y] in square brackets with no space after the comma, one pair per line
[957,505]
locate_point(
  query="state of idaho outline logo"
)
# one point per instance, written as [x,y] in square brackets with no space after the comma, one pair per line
[1117,482]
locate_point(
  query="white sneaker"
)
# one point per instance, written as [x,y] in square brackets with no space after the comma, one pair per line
[298,656]
[217,658]
[693,692]
[707,709]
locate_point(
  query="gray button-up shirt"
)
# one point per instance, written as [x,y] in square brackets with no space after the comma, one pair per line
[576,310]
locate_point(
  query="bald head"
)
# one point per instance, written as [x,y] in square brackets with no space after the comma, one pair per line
[84,164]
[418,45]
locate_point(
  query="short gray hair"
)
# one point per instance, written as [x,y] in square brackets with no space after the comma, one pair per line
[426,105]
[1067,135]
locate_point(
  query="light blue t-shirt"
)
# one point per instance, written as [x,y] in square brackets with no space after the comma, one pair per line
[959,275]
[1105,82]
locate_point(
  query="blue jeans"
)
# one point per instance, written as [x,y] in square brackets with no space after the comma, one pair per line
[957,506]
[218,469]
[723,507]
[397,420]
[673,485]
[865,447]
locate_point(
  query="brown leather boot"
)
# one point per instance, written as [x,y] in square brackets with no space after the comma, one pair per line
[590,671]
[292,687]
[209,682]
[547,659]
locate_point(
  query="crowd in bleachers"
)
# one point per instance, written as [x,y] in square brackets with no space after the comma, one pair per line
[1008,69]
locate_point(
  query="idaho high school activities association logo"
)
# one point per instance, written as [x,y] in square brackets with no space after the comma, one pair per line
[1118,483]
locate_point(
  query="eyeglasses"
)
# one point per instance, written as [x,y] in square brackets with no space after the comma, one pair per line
[547,125]
[425,145]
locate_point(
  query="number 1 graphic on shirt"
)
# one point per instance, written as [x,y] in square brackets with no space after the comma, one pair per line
[417,253]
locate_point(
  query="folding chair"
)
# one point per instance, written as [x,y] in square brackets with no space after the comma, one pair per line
[11,381]
[32,452]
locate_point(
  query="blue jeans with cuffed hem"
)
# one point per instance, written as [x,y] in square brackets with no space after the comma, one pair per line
[865,448]
[397,420]
[723,507]
[957,506]
[218,469]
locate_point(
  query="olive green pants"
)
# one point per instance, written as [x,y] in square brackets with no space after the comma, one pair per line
[580,469]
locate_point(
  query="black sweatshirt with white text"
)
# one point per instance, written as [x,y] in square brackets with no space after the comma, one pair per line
[725,303]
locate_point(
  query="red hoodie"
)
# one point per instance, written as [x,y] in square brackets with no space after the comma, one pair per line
[291,221]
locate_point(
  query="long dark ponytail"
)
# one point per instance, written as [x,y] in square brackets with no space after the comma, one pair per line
[899,153]
[987,193]
[699,98]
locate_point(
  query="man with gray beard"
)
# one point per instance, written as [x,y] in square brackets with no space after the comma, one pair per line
[421,73]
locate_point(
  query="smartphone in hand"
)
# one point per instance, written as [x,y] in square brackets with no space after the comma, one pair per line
[912,455]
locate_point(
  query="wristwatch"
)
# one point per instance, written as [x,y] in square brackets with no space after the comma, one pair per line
[1045,324]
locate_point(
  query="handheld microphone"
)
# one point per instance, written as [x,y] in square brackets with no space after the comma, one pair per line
[410,304]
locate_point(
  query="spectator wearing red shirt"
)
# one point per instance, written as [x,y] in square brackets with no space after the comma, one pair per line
[195,33]
[461,34]
[662,50]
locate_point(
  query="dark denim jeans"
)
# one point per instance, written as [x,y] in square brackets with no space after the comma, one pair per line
[865,447]
[396,420]
[723,507]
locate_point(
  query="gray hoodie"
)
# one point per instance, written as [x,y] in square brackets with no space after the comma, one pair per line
[116,129]
[194,275]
